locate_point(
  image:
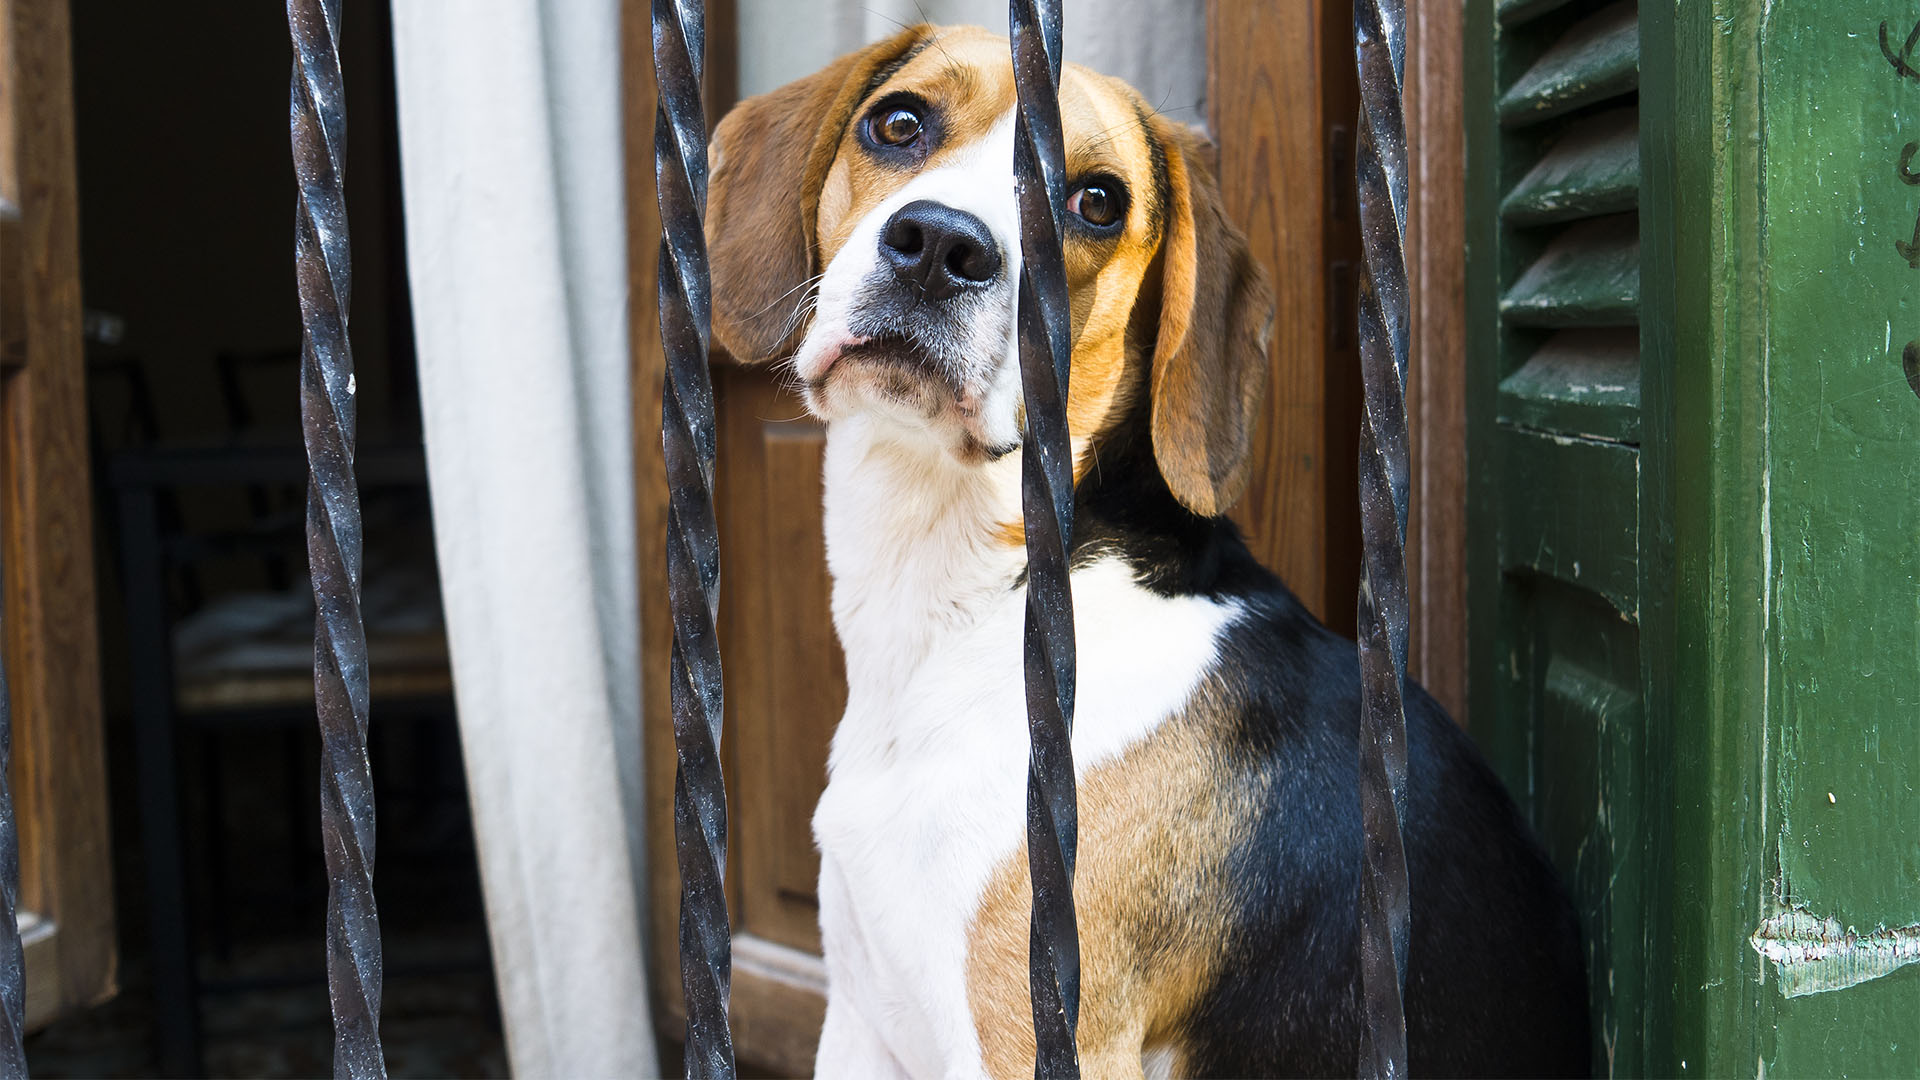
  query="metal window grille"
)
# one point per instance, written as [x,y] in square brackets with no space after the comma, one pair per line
[1046,489]
[323,269]
[1379,45]
[693,538]
[322,257]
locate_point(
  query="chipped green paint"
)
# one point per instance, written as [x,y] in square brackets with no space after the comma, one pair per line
[1812,955]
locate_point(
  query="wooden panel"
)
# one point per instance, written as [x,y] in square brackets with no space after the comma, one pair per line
[1437,383]
[1282,105]
[52,653]
[786,683]
[779,992]
[1570,509]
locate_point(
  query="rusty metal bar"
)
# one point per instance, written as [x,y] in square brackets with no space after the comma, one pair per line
[1039,169]
[323,268]
[1379,40]
[693,539]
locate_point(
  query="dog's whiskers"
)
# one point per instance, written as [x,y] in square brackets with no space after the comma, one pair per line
[814,280]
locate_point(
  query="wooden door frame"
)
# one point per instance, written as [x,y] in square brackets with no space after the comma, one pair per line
[52,651]
[1294,198]
[1275,168]
[1437,381]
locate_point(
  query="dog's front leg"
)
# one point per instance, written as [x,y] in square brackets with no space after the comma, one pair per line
[849,1046]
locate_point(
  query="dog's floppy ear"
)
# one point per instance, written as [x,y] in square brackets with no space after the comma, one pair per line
[769,157]
[1209,370]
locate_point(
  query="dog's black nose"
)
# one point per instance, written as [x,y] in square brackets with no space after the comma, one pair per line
[939,250]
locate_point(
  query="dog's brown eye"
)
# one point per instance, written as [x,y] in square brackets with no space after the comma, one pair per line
[895,127]
[1095,203]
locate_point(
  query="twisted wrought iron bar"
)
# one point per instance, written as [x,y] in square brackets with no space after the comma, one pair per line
[693,539]
[1379,35]
[13,959]
[1039,170]
[323,268]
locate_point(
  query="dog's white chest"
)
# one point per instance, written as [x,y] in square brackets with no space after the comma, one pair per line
[927,793]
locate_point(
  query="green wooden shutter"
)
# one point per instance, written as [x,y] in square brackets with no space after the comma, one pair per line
[1694,520]
[1561,511]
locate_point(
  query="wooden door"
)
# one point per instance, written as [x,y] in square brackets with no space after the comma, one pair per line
[1283,103]
[59,772]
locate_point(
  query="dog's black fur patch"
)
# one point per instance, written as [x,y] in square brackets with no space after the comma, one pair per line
[1495,981]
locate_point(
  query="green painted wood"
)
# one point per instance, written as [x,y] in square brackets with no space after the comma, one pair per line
[1730,778]
[1581,383]
[1571,513]
[1593,169]
[1561,577]
[1589,275]
[1699,161]
[1843,458]
[1774,211]
[1597,59]
[1590,707]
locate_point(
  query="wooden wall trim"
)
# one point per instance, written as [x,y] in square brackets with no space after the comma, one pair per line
[1436,385]
[1276,85]
[1290,187]
[52,649]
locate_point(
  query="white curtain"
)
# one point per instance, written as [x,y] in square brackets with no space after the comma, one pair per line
[1160,46]
[510,140]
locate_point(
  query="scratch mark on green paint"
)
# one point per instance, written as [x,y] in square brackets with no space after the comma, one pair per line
[1812,955]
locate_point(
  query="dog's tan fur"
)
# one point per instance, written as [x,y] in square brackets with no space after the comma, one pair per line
[1146,956]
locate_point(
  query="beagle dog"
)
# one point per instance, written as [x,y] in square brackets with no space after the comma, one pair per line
[863,233]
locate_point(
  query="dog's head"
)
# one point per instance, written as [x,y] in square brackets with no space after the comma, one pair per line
[863,227]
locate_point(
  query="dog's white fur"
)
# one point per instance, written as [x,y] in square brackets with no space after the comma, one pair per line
[927,777]
[926,795]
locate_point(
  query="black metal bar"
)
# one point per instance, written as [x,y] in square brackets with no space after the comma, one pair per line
[176,1011]
[323,267]
[1379,36]
[13,957]
[1039,169]
[693,538]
